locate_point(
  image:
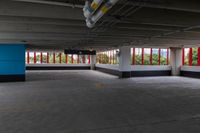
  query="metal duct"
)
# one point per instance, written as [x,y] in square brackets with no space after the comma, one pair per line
[92,16]
[90,8]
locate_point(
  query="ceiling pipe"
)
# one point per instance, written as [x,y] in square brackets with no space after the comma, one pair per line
[52,3]
[100,11]
[90,8]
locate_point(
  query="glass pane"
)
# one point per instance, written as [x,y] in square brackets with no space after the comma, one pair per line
[105,57]
[75,59]
[82,59]
[38,57]
[186,58]
[70,59]
[147,56]
[155,56]
[63,61]
[51,57]
[44,57]
[194,56]
[163,57]
[31,54]
[138,56]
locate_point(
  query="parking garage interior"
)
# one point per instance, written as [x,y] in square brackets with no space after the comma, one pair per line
[99,66]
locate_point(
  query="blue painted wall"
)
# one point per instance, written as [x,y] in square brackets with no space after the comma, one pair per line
[12,59]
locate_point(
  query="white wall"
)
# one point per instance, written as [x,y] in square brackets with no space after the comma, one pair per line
[108,66]
[150,67]
[138,67]
[190,68]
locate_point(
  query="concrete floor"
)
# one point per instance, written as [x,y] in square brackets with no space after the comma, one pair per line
[93,102]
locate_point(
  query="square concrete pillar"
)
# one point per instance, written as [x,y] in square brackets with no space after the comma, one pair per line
[125,62]
[92,62]
[176,60]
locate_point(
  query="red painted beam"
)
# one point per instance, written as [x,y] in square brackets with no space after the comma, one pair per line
[167,61]
[54,58]
[142,56]
[183,56]
[47,57]
[133,56]
[151,56]
[78,61]
[159,52]
[60,58]
[190,57]
[88,59]
[198,56]
[83,59]
[41,57]
[35,60]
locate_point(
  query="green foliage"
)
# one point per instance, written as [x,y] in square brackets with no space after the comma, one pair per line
[163,60]
[31,59]
[194,57]
[102,59]
[146,59]
[82,58]
[138,59]
[63,58]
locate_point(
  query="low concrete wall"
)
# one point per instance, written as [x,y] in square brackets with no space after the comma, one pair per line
[150,70]
[108,68]
[137,70]
[58,67]
[190,71]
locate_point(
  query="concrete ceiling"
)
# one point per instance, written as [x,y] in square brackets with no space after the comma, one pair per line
[141,23]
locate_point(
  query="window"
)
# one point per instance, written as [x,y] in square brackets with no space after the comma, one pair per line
[44,57]
[149,56]
[107,57]
[138,56]
[63,59]
[191,56]
[194,56]
[31,57]
[51,57]
[36,57]
[146,59]
[186,56]
[155,56]
[163,57]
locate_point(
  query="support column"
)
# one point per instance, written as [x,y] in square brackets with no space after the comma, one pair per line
[124,62]
[176,60]
[12,62]
[92,62]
